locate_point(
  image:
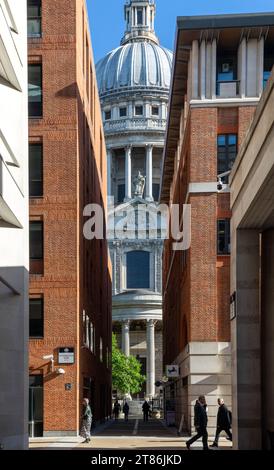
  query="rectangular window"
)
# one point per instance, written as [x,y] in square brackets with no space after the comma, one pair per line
[227,85]
[223,234]
[36,318]
[121,193]
[34,18]
[123,112]
[226,152]
[155,110]
[91,337]
[138,270]
[155,191]
[101,349]
[139,110]
[36,247]
[139,16]
[107,115]
[35,170]
[268,64]
[35,90]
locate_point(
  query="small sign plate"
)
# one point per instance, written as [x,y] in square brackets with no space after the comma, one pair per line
[66,356]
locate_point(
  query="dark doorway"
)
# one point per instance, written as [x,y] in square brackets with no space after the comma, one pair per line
[36,405]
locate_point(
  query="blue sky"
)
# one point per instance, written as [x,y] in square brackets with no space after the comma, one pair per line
[107,18]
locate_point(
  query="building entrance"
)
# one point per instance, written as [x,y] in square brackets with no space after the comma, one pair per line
[36,405]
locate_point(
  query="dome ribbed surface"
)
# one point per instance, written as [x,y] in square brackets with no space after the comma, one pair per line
[135,65]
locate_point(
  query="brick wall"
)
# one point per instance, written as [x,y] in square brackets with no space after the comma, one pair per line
[202,280]
[76,272]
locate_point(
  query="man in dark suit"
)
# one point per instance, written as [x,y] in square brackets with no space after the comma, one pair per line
[223,422]
[200,423]
[146,410]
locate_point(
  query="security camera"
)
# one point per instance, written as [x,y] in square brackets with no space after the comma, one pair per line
[220,184]
[60,371]
[50,357]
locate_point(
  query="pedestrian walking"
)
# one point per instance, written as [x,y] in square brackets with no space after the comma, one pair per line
[146,410]
[200,423]
[126,410]
[224,421]
[86,421]
[116,410]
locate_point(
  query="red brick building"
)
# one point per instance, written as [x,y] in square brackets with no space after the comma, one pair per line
[221,66]
[70,280]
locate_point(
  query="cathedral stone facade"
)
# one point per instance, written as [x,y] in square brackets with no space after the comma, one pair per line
[134,81]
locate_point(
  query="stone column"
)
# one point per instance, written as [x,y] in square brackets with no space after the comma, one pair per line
[128,173]
[208,69]
[267,322]
[109,170]
[242,67]
[149,157]
[246,343]
[260,66]
[150,358]
[125,337]
[203,70]
[213,68]
[195,70]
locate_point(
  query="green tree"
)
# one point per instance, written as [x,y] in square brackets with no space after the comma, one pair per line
[126,371]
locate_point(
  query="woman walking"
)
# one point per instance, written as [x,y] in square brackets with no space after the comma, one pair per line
[86,421]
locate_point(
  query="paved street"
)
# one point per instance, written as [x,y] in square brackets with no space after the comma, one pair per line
[134,434]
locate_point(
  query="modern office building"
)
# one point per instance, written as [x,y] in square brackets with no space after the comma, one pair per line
[70,276]
[14,259]
[222,64]
[252,280]
[134,82]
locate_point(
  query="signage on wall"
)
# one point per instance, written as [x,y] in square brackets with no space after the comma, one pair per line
[66,356]
[172,371]
[233,308]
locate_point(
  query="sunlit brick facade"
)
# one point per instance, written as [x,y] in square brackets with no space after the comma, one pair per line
[70,277]
[221,66]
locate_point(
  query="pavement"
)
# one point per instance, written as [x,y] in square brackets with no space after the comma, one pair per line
[133,435]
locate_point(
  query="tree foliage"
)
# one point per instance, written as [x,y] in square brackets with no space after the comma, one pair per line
[126,371]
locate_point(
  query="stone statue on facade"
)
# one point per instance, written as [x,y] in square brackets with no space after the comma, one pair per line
[139,185]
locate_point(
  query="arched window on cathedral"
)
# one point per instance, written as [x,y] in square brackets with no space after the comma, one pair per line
[138,269]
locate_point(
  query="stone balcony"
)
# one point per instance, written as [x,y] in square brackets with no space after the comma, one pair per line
[135,124]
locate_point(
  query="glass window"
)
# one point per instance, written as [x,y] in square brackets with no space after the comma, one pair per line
[226,70]
[268,64]
[139,111]
[155,110]
[35,90]
[139,16]
[101,349]
[123,112]
[223,231]
[226,152]
[91,337]
[36,240]
[138,269]
[155,191]
[36,318]
[121,193]
[34,18]
[107,115]
[35,170]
